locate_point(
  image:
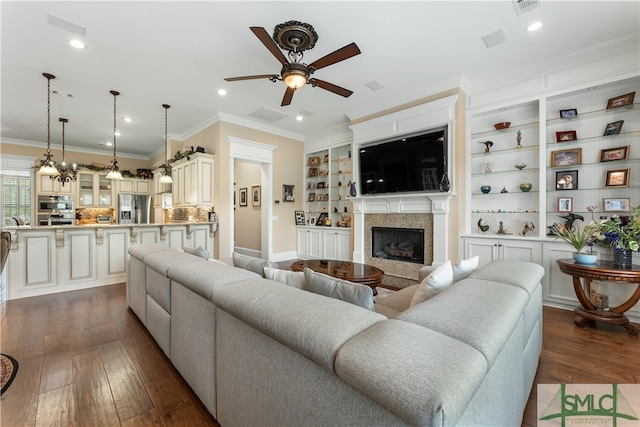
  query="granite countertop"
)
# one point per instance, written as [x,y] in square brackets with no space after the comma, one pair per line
[96,225]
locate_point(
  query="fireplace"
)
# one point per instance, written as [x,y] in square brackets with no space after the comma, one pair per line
[398,244]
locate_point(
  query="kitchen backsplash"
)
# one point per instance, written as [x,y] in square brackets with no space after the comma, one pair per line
[188,214]
[90,216]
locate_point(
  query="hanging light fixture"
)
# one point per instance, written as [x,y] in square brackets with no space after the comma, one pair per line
[47,165]
[115,172]
[166,173]
[65,173]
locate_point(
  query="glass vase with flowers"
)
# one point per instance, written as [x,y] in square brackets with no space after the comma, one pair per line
[622,232]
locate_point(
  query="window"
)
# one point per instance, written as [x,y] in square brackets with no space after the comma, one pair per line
[16,199]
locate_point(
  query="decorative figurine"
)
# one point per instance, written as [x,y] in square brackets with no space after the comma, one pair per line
[501,229]
[519,138]
[352,191]
[488,145]
[504,190]
[570,219]
[483,225]
[528,228]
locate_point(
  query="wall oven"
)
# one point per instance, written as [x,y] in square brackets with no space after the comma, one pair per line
[55,210]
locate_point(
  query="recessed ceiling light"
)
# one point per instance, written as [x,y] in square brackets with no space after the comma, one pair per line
[299,117]
[78,44]
[117,134]
[127,119]
[534,27]
[222,92]
[108,144]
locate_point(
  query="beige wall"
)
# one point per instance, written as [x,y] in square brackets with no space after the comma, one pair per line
[247,218]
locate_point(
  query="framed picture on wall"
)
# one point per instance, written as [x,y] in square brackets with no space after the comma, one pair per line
[287,193]
[299,217]
[256,195]
[242,195]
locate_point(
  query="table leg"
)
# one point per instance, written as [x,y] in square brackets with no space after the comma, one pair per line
[584,299]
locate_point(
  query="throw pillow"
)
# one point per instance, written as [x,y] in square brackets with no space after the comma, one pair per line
[199,251]
[288,277]
[465,267]
[434,283]
[332,287]
[250,263]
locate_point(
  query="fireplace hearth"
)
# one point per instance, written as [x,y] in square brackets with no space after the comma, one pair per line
[398,244]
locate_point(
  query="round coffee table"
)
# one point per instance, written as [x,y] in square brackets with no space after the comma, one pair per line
[345,270]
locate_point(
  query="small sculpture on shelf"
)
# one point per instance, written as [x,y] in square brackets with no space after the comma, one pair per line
[519,138]
[504,190]
[528,228]
[570,218]
[487,145]
[483,225]
[502,230]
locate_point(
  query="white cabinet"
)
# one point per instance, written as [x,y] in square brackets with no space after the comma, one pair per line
[324,242]
[336,244]
[159,188]
[134,186]
[491,249]
[193,181]
[95,191]
[46,185]
[309,242]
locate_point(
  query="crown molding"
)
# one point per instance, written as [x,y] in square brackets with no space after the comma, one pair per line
[71,148]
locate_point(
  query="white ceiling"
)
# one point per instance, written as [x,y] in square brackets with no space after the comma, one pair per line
[179,53]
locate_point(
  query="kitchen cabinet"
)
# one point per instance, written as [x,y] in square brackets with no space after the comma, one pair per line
[134,186]
[193,180]
[159,188]
[46,185]
[492,249]
[95,191]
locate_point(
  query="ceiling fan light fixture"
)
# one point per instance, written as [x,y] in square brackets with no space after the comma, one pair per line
[295,75]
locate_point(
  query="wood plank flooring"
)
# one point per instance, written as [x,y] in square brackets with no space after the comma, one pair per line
[86,360]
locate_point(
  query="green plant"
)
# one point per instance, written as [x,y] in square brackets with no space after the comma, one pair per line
[621,231]
[577,239]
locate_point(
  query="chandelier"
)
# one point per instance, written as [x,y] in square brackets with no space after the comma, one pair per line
[47,165]
[65,173]
[166,172]
[114,173]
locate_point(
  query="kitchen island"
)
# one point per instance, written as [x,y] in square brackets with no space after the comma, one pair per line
[50,259]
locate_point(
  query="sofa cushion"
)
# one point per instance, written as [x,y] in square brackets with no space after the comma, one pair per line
[199,251]
[163,261]
[434,283]
[139,251]
[287,277]
[528,277]
[250,263]
[396,302]
[332,287]
[203,277]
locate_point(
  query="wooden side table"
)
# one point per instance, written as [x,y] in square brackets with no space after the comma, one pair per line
[602,270]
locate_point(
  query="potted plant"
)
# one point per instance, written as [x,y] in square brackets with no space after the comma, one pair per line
[578,240]
[623,233]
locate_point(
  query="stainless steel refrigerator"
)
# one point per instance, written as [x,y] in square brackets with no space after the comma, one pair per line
[134,209]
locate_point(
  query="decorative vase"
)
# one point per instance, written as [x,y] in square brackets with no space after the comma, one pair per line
[445,185]
[352,190]
[599,295]
[585,259]
[525,187]
[485,189]
[622,258]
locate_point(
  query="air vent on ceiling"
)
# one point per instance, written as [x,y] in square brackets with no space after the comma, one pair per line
[494,38]
[268,115]
[375,85]
[66,25]
[306,113]
[524,6]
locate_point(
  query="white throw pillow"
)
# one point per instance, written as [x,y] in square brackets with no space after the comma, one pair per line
[199,251]
[465,267]
[323,284]
[250,263]
[288,277]
[434,283]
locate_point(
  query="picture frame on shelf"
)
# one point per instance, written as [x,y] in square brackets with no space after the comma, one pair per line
[567,180]
[326,158]
[326,197]
[313,172]
[617,178]
[312,197]
[321,185]
[310,185]
[569,113]
[567,135]
[256,195]
[287,193]
[612,154]
[327,222]
[565,204]
[315,160]
[570,157]
[621,101]
[312,220]
[616,205]
[242,195]
[319,198]
[320,222]
[613,128]
[322,172]
[299,217]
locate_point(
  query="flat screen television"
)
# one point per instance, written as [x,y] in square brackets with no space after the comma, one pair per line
[407,164]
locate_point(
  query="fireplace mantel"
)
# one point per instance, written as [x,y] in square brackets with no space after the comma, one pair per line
[436,204]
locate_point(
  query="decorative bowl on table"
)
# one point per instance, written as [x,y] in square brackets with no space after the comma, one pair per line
[485,189]
[520,166]
[502,125]
[525,187]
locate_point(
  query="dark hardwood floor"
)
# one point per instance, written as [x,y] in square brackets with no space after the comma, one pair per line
[86,360]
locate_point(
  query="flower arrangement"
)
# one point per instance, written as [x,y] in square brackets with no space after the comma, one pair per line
[621,231]
[577,239]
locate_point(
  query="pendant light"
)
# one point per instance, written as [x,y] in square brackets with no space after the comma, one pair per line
[115,172]
[47,165]
[166,173]
[65,173]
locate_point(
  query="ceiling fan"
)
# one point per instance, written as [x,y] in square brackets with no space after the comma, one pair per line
[296,37]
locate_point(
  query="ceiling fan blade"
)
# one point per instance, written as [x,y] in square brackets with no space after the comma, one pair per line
[331,87]
[288,95]
[266,40]
[260,76]
[339,55]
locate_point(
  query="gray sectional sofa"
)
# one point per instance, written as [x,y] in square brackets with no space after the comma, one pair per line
[260,353]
